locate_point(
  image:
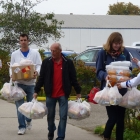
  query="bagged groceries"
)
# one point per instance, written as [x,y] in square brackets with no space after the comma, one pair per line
[108,96]
[102,97]
[131,99]
[78,110]
[12,92]
[33,109]
[114,96]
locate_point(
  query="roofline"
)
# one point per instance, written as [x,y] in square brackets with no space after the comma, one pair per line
[93,28]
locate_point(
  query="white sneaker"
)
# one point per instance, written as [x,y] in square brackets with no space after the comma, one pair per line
[21,131]
[29,125]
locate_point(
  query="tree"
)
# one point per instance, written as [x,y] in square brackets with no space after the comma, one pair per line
[20,17]
[121,8]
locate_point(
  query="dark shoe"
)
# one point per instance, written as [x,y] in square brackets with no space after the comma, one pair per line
[50,136]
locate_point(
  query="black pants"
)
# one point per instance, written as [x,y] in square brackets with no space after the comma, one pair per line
[116,116]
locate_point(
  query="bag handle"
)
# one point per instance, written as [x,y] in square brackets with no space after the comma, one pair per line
[108,83]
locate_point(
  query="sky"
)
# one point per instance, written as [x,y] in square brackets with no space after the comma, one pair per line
[86,7]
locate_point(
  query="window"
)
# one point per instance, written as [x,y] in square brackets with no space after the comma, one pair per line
[87,56]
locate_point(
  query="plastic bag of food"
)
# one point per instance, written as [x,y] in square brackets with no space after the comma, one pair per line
[17,93]
[33,109]
[114,96]
[134,97]
[121,63]
[102,96]
[6,90]
[79,110]
[38,110]
[131,99]
[25,109]
[26,62]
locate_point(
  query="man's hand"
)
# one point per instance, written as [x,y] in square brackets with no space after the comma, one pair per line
[35,95]
[35,74]
[78,96]
[119,85]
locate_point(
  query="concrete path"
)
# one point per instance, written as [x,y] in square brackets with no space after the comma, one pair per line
[9,127]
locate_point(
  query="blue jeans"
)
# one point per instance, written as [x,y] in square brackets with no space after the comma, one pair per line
[63,111]
[29,90]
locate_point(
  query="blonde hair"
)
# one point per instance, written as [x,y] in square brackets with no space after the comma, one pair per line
[115,37]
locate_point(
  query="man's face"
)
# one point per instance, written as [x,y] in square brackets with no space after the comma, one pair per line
[24,42]
[56,51]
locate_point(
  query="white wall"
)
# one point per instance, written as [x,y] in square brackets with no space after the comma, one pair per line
[78,39]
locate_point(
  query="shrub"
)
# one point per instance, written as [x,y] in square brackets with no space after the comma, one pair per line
[4,72]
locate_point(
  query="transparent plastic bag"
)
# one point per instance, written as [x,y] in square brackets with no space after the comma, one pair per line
[131,99]
[33,109]
[38,110]
[79,110]
[6,90]
[12,92]
[102,97]
[25,109]
[114,96]
[17,93]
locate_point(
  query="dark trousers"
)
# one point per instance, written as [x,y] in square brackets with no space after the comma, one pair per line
[116,116]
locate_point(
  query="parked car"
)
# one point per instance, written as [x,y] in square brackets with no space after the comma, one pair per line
[89,56]
[65,53]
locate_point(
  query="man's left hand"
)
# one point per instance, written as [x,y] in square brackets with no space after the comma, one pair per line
[78,96]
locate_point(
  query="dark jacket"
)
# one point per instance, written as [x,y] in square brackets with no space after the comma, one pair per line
[100,65]
[68,77]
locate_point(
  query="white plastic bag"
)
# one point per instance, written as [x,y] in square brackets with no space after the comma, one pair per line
[6,90]
[33,109]
[102,96]
[17,93]
[131,99]
[38,110]
[114,96]
[25,109]
[79,110]
[12,92]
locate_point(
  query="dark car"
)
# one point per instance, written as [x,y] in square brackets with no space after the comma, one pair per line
[89,56]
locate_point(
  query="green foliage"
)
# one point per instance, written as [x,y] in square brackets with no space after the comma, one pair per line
[42,54]
[86,76]
[19,17]
[4,72]
[121,8]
